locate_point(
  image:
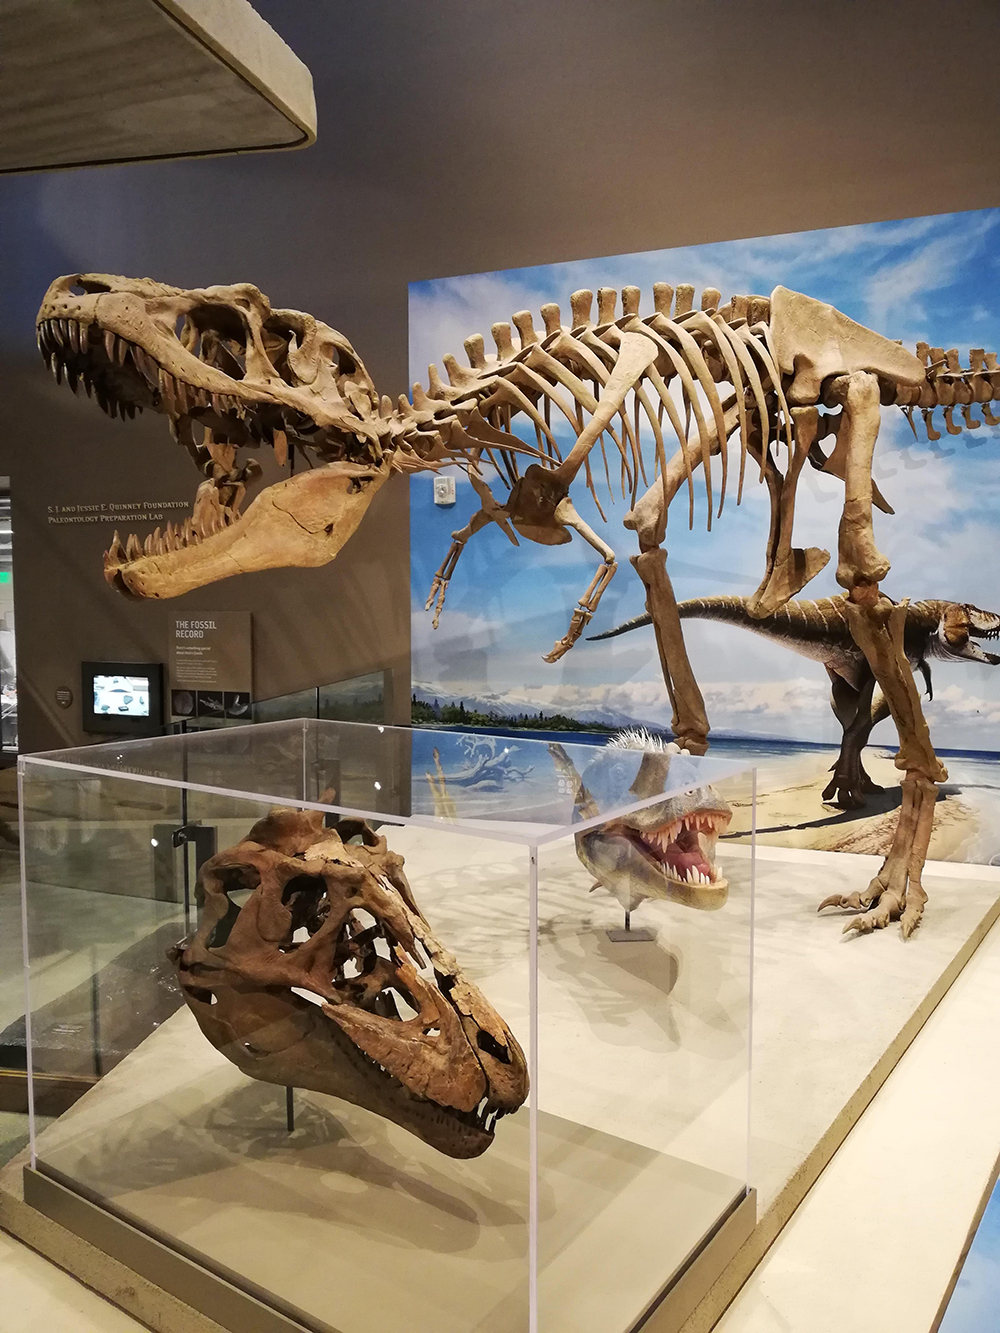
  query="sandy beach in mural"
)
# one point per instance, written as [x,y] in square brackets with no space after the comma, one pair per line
[791,811]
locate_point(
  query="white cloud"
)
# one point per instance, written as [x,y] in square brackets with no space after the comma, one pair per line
[953,705]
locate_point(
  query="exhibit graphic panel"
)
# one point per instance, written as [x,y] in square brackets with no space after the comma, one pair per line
[417,1020]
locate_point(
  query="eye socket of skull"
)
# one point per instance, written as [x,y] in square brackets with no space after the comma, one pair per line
[85,286]
[349,829]
[305,897]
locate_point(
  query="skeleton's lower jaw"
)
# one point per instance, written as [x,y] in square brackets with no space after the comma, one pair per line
[315,1055]
[302,523]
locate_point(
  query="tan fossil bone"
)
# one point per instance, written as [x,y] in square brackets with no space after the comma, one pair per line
[753,371]
[313,967]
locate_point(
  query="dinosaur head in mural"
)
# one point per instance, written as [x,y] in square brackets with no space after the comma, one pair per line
[232,375]
[663,850]
[313,967]
[959,627]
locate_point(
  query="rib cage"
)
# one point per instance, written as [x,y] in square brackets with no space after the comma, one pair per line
[568,368]
[722,357]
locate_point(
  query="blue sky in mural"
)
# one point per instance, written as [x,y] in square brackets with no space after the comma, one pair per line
[976,1299]
[935,279]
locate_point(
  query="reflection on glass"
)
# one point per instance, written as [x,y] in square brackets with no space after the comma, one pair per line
[404,927]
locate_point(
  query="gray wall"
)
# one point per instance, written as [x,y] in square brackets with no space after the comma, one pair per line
[455,137]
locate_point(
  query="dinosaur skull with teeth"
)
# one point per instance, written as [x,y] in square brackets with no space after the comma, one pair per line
[232,374]
[312,967]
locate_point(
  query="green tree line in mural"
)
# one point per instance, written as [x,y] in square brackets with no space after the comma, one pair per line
[423,714]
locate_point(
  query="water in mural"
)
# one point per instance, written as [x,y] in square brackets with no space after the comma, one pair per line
[933,279]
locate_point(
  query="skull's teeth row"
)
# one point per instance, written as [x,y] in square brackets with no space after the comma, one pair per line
[65,344]
[174,537]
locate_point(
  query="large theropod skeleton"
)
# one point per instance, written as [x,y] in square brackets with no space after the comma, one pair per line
[778,375]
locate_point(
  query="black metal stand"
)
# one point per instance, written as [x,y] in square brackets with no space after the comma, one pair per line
[629,936]
[290,1109]
[203,837]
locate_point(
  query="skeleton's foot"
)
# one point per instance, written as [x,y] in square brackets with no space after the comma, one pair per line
[891,896]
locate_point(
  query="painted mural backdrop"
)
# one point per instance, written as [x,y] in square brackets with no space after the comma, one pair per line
[935,279]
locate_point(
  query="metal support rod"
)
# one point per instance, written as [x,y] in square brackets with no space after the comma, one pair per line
[290,1109]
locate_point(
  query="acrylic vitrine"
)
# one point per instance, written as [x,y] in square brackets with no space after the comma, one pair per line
[376,1028]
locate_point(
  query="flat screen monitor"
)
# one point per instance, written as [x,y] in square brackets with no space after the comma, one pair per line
[122,698]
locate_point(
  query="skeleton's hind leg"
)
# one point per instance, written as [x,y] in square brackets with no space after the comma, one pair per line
[689,722]
[648,519]
[877,625]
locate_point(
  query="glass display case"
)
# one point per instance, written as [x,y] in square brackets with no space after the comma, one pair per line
[386,1027]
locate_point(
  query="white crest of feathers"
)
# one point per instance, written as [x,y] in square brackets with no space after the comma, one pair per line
[638,738]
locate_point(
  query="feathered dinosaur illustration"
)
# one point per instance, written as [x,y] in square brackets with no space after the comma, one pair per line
[663,851]
[777,375]
[820,630]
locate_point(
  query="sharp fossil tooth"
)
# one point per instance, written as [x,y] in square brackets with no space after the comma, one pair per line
[74,335]
[146,366]
[88,384]
[132,548]
[56,368]
[109,345]
[168,390]
[147,546]
[64,335]
[71,378]
[121,350]
[158,543]
[115,554]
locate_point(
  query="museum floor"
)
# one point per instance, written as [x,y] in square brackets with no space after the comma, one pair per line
[913,1169]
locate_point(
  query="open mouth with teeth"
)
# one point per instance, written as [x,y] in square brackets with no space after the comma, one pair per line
[684,850]
[232,375]
[960,626]
[312,968]
[662,852]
